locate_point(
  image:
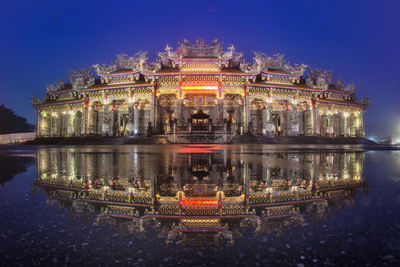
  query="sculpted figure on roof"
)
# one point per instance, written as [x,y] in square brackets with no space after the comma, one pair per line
[237,58]
[60,85]
[351,88]
[319,78]
[276,61]
[199,49]
[365,101]
[125,62]
[35,100]
[135,62]
[163,57]
[50,87]
[81,78]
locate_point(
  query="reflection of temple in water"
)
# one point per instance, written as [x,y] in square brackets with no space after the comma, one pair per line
[197,196]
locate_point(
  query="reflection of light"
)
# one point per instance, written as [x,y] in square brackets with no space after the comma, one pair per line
[199,202]
[269,190]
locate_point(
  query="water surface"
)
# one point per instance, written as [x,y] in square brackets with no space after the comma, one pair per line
[199,204]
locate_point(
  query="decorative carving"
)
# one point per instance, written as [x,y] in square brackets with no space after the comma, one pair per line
[35,100]
[339,84]
[199,49]
[318,78]
[163,57]
[81,78]
[351,88]
[50,87]
[276,61]
[60,85]
[124,62]
[365,101]
[237,58]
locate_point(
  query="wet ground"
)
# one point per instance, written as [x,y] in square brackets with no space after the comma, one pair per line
[361,232]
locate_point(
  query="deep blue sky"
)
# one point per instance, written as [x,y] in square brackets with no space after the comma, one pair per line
[40,41]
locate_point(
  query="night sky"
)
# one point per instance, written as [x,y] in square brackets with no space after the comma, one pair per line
[40,41]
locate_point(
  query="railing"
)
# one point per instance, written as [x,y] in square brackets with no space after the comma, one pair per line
[264,198]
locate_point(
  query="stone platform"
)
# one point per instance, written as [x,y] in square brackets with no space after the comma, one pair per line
[199,138]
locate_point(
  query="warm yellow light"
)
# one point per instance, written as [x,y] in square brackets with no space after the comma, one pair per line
[199,87]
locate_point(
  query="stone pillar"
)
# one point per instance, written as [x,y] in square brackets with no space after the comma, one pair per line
[341,125]
[153,103]
[317,122]
[62,129]
[38,124]
[337,122]
[116,122]
[264,121]
[106,125]
[136,130]
[362,130]
[309,120]
[300,121]
[175,126]
[294,121]
[179,111]
[100,121]
[130,125]
[92,122]
[85,122]
[238,118]
[220,111]
[52,125]
[246,113]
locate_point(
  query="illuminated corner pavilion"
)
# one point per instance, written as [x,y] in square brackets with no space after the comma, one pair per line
[200,93]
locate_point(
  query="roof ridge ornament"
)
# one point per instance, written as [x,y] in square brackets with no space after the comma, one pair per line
[276,61]
[82,78]
[137,62]
[199,49]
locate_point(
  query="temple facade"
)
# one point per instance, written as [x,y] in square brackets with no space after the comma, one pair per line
[200,93]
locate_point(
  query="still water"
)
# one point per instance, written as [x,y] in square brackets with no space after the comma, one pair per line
[199,204]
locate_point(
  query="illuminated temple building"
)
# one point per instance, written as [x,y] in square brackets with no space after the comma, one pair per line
[199,92]
[191,196]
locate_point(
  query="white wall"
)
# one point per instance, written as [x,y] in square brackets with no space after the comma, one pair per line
[16,138]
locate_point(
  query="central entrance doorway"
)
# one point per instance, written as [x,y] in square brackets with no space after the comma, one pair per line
[200,120]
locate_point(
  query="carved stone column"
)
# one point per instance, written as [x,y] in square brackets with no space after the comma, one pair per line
[130,125]
[92,121]
[220,111]
[136,120]
[153,103]
[362,129]
[294,121]
[317,122]
[179,111]
[264,121]
[85,122]
[38,124]
[301,122]
[106,126]
[116,122]
[246,113]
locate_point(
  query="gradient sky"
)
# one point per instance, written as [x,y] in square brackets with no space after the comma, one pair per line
[40,41]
